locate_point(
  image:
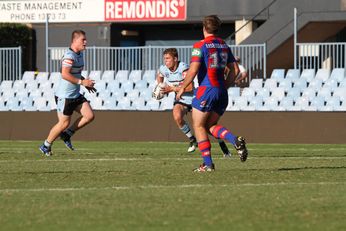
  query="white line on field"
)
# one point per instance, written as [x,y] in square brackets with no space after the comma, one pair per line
[47,159]
[167,186]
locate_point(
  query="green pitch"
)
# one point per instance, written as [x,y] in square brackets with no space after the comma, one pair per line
[151,186]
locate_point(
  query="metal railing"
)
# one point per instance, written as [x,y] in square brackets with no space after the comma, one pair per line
[10,63]
[150,58]
[321,55]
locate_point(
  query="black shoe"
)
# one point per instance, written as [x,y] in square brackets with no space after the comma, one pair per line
[193,145]
[226,152]
[67,140]
[240,146]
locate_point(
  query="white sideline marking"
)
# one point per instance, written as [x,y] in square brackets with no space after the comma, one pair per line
[47,159]
[167,187]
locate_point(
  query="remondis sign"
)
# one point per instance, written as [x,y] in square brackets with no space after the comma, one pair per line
[145,10]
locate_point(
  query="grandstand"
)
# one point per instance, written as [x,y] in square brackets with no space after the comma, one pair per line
[131,91]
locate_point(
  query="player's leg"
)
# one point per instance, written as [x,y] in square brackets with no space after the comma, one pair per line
[179,111]
[199,119]
[213,120]
[220,132]
[63,122]
[87,116]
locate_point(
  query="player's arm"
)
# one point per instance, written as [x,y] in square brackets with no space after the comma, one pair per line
[66,75]
[231,72]
[243,75]
[190,75]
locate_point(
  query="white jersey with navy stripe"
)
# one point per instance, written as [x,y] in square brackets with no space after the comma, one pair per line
[65,88]
[176,78]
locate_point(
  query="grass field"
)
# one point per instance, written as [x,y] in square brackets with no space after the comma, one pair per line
[150,186]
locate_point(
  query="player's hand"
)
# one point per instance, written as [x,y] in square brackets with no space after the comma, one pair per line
[179,94]
[91,89]
[88,83]
[167,89]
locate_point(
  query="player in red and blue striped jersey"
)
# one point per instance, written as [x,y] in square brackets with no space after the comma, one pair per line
[214,64]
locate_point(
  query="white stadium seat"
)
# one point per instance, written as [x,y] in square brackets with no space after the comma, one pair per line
[300,84]
[270,83]
[278,74]
[322,74]
[234,92]
[113,85]
[135,75]
[340,92]
[278,93]
[42,77]
[338,74]
[293,74]
[6,84]
[248,93]
[108,76]
[127,85]
[95,75]
[263,93]
[331,83]
[286,84]
[308,74]
[256,84]
[315,84]
[141,85]
[149,76]
[28,76]
[122,76]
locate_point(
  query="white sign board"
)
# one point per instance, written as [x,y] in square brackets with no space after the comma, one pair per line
[58,11]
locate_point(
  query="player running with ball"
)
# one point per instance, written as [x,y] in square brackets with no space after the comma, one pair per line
[174,71]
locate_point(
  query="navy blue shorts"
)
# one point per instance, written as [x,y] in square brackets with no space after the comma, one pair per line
[210,99]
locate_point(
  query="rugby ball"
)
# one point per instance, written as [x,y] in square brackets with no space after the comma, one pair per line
[157,93]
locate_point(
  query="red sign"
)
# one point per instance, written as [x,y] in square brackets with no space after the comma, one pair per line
[145,10]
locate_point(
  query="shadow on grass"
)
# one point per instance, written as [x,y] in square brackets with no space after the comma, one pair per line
[313,168]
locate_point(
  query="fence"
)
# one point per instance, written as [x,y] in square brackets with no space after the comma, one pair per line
[321,55]
[150,58]
[10,63]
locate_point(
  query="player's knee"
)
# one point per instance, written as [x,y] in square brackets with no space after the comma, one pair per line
[178,119]
[64,125]
[90,117]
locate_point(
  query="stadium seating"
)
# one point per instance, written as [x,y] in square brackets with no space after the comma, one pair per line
[310,90]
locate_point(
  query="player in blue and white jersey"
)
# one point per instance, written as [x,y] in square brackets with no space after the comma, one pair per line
[68,97]
[173,72]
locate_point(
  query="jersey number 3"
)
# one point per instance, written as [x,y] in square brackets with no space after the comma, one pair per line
[215,62]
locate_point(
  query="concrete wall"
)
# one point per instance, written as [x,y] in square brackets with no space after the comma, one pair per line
[257,127]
